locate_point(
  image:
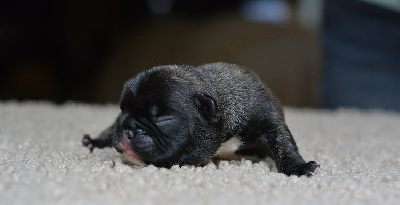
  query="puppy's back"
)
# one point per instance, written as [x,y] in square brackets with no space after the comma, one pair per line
[239,92]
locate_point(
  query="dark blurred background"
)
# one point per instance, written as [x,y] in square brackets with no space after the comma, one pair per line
[312,53]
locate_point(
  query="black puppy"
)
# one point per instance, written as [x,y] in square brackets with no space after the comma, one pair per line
[188,115]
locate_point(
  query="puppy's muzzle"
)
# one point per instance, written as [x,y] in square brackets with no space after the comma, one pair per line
[127,134]
[126,148]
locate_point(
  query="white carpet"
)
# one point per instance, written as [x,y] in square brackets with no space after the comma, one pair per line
[43,162]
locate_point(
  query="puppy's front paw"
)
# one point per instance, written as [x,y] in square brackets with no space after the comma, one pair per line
[307,169]
[88,142]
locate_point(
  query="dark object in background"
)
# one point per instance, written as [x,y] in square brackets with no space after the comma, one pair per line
[188,115]
[362,56]
[53,50]
[49,49]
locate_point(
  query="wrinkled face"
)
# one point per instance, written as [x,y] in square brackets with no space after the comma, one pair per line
[150,131]
[154,127]
[152,137]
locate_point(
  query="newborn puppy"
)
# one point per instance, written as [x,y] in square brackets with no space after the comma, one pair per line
[188,115]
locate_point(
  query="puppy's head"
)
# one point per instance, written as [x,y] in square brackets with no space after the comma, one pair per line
[165,119]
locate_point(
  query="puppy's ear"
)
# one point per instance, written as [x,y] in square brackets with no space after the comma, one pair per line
[208,106]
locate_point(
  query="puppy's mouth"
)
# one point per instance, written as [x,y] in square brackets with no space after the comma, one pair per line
[127,150]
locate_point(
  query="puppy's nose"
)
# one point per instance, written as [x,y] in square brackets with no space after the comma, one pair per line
[127,134]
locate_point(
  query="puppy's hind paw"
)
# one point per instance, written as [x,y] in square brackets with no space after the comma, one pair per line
[307,169]
[88,142]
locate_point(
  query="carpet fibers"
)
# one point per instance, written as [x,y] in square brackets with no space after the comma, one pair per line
[42,161]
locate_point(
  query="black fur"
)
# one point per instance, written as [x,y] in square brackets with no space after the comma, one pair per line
[182,114]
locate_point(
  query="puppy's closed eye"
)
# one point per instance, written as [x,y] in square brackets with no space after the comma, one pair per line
[165,119]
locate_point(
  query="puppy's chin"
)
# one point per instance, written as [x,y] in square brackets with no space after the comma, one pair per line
[129,154]
[132,158]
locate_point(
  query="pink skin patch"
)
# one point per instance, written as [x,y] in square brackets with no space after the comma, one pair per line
[129,154]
